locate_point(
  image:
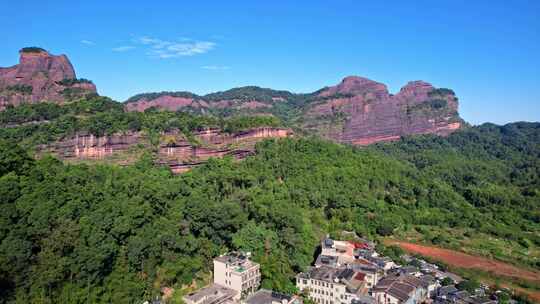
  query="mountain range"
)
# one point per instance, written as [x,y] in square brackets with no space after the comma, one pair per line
[357,111]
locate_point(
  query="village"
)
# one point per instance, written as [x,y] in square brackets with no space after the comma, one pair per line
[345,272]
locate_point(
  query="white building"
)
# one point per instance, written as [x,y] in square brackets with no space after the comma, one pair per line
[237,272]
[328,285]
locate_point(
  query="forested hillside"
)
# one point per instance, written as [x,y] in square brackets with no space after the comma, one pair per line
[34,124]
[100,233]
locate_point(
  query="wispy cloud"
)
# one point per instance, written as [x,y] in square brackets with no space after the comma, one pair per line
[87,42]
[172,49]
[215,67]
[123,48]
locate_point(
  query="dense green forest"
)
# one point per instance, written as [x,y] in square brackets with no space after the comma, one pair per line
[101,234]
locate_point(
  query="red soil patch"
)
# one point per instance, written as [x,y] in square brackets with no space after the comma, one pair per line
[463,260]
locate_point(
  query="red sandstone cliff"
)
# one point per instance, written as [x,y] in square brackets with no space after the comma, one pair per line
[174,150]
[356,111]
[40,76]
[362,111]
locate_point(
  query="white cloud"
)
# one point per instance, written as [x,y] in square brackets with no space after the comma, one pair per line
[87,42]
[171,49]
[123,48]
[215,67]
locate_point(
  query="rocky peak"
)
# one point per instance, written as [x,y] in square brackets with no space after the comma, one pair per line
[417,88]
[369,114]
[32,62]
[354,85]
[40,76]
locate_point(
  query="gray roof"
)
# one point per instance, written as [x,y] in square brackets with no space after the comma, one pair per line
[428,279]
[446,290]
[363,299]
[400,290]
[214,294]
[327,274]
[399,286]
[408,269]
[327,260]
[265,296]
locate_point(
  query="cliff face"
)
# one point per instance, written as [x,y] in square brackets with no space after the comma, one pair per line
[174,150]
[357,111]
[171,103]
[40,76]
[362,111]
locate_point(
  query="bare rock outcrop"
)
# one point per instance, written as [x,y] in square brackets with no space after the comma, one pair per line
[357,111]
[40,76]
[174,149]
[364,112]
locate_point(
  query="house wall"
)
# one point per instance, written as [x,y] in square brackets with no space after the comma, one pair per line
[385,298]
[323,292]
[244,283]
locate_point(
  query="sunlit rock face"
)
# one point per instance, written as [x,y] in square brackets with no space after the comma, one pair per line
[361,111]
[39,77]
[356,111]
[174,149]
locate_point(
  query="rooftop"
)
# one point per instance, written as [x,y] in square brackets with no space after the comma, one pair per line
[239,260]
[327,260]
[328,274]
[265,296]
[363,299]
[399,286]
[213,294]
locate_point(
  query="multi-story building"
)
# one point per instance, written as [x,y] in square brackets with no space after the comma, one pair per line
[329,285]
[237,272]
[345,254]
[400,289]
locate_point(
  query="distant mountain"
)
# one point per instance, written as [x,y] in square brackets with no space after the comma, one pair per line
[40,76]
[357,110]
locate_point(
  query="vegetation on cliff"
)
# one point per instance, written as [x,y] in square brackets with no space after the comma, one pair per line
[33,49]
[151,96]
[71,81]
[19,88]
[77,233]
[41,123]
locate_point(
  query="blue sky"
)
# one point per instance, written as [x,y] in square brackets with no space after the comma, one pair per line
[487,51]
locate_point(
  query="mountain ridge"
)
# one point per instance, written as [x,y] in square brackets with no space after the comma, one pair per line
[356,111]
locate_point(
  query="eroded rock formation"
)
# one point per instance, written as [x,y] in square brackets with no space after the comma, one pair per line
[362,111]
[357,111]
[40,76]
[174,150]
